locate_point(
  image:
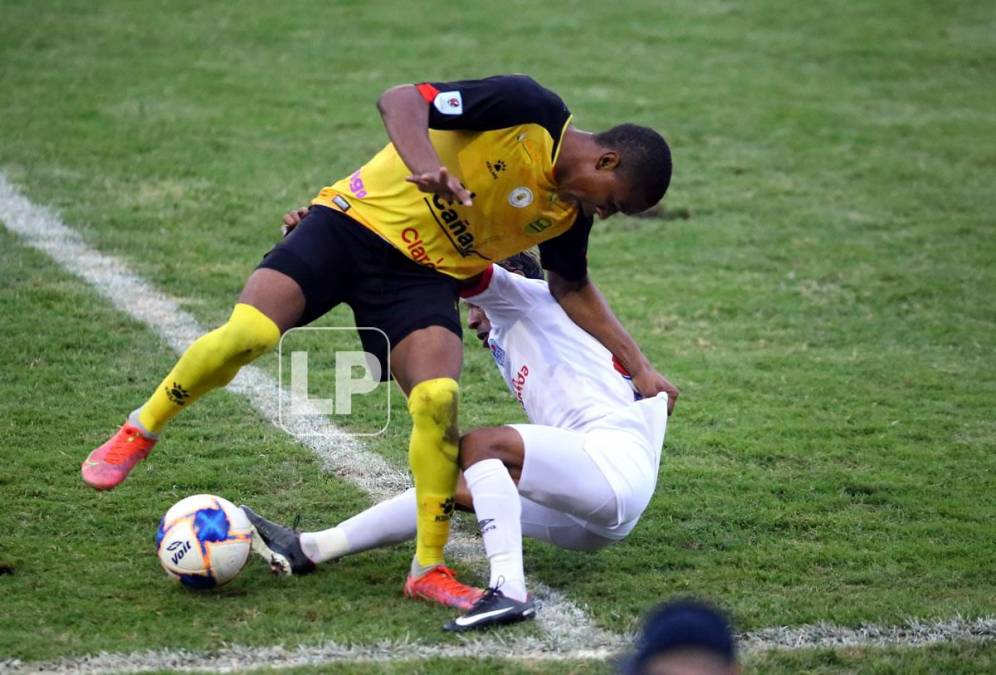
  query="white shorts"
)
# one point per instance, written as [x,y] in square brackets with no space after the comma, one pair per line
[601,478]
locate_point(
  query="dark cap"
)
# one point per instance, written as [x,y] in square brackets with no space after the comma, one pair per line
[683,624]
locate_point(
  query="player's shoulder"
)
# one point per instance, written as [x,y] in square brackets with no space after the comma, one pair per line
[527,85]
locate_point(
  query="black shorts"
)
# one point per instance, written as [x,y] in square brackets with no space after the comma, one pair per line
[335,259]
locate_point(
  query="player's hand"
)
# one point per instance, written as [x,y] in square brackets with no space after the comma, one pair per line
[292,218]
[442,183]
[650,383]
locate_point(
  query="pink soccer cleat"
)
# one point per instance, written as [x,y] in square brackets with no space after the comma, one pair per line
[109,465]
[440,585]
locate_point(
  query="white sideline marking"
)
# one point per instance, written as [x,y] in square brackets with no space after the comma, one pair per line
[239,658]
[567,632]
[564,625]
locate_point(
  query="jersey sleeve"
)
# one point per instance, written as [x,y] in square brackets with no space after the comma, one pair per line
[503,294]
[493,103]
[567,254]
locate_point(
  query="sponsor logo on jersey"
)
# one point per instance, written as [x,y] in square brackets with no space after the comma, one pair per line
[456,229]
[341,202]
[537,226]
[497,353]
[495,168]
[356,185]
[520,197]
[416,248]
[519,383]
[449,103]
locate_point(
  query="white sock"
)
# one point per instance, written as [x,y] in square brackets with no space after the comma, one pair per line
[392,521]
[498,509]
[135,422]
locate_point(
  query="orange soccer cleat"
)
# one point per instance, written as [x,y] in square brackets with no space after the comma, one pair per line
[440,585]
[109,465]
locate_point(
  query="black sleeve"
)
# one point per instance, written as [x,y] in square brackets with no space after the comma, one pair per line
[493,103]
[567,254]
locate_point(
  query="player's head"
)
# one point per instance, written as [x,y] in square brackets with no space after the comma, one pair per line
[524,264]
[627,170]
[686,637]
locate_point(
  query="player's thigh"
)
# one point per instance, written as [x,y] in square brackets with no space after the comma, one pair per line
[308,272]
[559,474]
[560,529]
[414,311]
[426,354]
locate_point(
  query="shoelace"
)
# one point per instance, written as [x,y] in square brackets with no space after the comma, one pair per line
[449,583]
[489,592]
[122,450]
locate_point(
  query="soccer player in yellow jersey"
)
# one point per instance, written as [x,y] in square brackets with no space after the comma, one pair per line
[475,171]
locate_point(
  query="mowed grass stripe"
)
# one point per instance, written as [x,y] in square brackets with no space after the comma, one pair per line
[565,626]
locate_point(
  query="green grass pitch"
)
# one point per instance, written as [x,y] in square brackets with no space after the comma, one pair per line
[820,285]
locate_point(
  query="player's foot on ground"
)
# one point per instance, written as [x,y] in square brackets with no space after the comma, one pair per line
[493,609]
[278,545]
[440,585]
[108,465]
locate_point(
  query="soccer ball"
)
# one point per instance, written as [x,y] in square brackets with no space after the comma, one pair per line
[203,541]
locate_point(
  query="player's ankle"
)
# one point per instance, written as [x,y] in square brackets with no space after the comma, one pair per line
[419,570]
[323,546]
[514,589]
[135,419]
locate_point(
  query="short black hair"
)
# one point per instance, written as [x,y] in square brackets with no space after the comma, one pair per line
[525,262]
[683,624]
[644,160]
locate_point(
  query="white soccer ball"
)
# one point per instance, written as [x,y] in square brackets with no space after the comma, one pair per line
[203,541]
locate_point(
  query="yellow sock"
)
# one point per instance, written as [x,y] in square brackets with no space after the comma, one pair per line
[211,362]
[432,455]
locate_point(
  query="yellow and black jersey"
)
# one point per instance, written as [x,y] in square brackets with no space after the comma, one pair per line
[501,137]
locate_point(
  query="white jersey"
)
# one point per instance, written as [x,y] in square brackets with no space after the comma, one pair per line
[561,375]
[566,379]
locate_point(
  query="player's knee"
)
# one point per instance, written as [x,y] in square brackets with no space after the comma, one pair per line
[247,334]
[433,407]
[434,402]
[479,445]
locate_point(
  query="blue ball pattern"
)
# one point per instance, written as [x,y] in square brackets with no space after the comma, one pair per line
[211,525]
[197,581]
[160,532]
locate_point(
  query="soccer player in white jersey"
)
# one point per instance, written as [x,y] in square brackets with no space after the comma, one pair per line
[578,476]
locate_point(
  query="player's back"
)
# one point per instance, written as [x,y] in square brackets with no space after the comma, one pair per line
[561,375]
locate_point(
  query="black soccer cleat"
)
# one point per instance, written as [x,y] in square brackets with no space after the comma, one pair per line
[278,545]
[493,609]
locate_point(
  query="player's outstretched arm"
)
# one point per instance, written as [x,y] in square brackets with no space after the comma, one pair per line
[587,307]
[406,117]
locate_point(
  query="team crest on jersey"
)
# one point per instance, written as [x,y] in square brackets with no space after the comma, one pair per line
[497,353]
[520,197]
[449,103]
